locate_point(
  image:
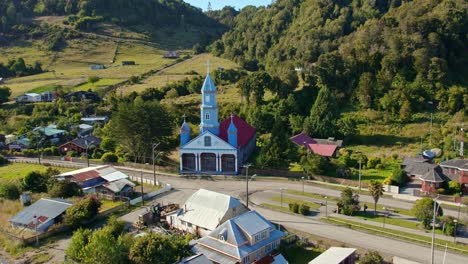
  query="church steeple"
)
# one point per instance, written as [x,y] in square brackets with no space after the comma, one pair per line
[209,107]
[232,133]
[184,133]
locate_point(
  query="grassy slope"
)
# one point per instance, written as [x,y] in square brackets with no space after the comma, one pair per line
[19,170]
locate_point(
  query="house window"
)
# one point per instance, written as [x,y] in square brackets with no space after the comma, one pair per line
[207,116]
[207,141]
[189,224]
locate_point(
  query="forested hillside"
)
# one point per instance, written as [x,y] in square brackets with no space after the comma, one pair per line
[393,56]
[143,16]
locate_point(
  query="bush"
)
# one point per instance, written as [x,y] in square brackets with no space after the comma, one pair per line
[294,207]
[64,189]
[304,209]
[3,160]
[82,211]
[109,157]
[35,182]
[9,191]
[372,257]
[373,162]
[399,177]
[454,187]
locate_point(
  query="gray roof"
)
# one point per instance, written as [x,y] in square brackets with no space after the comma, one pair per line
[45,208]
[456,163]
[213,255]
[333,255]
[207,208]
[329,141]
[196,259]
[433,175]
[119,185]
[235,242]
[418,159]
[418,168]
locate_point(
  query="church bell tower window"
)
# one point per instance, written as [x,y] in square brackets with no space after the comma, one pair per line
[207,116]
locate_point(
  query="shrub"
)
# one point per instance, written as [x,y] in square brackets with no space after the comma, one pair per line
[294,207]
[9,191]
[35,182]
[3,160]
[304,209]
[372,257]
[109,157]
[373,162]
[454,187]
[82,211]
[64,189]
[399,177]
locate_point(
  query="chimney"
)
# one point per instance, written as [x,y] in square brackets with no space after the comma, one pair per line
[462,143]
[185,208]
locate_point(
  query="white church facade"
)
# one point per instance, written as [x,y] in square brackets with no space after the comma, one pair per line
[220,148]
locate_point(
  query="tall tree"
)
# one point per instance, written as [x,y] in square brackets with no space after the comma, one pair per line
[375,190]
[138,124]
[5,93]
[323,115]
[424,211]
[157,248]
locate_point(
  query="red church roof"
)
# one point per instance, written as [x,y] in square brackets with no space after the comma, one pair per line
[244,131]
[302,139]
[323,150]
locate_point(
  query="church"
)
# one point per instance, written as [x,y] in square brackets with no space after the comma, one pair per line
[220,148]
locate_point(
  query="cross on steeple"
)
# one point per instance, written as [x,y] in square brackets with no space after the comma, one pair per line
[208,64]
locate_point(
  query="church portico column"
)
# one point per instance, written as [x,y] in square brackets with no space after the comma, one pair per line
[181,162]
[235,162]
[217,163]
[197,162]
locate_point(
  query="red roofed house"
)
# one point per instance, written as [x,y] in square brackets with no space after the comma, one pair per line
[220,148]
[319,146]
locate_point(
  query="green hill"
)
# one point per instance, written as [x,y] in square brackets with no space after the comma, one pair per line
[383,55]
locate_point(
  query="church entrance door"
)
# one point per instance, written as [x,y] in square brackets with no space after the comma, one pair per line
[228,163]
[188,162]
[208,162]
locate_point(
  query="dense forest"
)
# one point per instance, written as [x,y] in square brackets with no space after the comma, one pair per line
[146,16]
[393,56]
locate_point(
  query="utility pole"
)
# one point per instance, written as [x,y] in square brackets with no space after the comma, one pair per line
[302,185]
[155,145]
[87,147]
[142,196]
[360,162]
[433,228]
[246,166]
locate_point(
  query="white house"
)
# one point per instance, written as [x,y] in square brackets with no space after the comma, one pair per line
[29,98]
[204,211]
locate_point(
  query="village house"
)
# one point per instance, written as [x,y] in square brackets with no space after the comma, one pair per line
[457,170]
[29,98]
[323,147]
[97,67]
[80,145]
[51,133]
[105,181]
[247,238]
[95,119]
[41,214]
[84,129]
[204,211]
[80,95]
[174,54]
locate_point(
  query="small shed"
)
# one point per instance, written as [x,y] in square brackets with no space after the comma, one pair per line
[174,54]
[41,214]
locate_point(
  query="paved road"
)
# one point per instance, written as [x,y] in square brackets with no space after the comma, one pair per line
[236,188]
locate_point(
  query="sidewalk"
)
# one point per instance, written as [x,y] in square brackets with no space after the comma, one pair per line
[258,198]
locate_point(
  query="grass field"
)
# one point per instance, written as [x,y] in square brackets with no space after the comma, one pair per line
[286,201]
[299,255]
[14,171]
[199,65]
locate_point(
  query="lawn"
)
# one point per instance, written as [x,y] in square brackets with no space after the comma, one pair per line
[14,171]
[102,83]
[389,220]
[198,64]
[276,207]
[286,201]
[108,204]
[299,255]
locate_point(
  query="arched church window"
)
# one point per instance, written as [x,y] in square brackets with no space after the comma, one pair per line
[207,98]
[207,141]
[207,116]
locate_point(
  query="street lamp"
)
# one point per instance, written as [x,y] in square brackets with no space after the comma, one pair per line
[281,189]
[455,231]
[385,216]
[302,185]
[247,187]
[436,209]
[153,148]
[246,166]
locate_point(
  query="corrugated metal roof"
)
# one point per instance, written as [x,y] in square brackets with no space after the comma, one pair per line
[45,207]
[213,255]
[302,139]
[114,176]
[207,208]
[252,223]
[196,259]
[245,132]
[323,149]
[333,255]
[117,186]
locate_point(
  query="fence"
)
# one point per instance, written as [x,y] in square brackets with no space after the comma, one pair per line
[166,188]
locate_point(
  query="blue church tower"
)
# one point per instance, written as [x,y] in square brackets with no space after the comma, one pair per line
[209,107]
[184,133]
[232,133]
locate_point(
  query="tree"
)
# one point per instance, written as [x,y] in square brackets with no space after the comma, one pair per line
[424,211]
[136,123]
[375,190]
[93,79]
[366,89]
[64,189]
[5,93]
[9,190]
[157,248]
[109,157]
[322,119]
[399,177]
[314,164]
[82,211]
[371,257]
[35,181]
[78,241]
[454,187]
[348,202]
